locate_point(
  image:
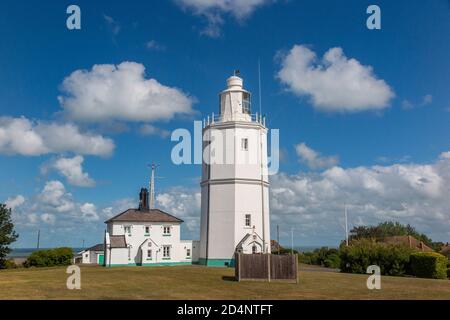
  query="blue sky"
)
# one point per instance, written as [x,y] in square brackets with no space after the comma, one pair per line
[382,149]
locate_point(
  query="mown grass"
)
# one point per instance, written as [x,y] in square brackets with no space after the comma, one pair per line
[196,282]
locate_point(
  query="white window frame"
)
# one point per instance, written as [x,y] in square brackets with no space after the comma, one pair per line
[188,253]
[166,252]
[149,254]
[145,229]
[169,228]
[248,218]
[125,228]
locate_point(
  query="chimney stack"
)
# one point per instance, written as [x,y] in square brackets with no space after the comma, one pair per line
[143,200]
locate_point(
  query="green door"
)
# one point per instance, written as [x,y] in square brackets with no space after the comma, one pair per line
[101,259]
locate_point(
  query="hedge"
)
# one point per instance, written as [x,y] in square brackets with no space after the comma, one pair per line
[429,265]
[392,259]
[50,258]
[322,257]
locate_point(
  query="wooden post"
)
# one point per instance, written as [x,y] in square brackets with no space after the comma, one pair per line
[239,265]
[296,268]
[268,266]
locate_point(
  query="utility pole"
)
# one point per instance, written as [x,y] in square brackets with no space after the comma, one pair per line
[292,241]
[278,238]
[83,245]
[38,238]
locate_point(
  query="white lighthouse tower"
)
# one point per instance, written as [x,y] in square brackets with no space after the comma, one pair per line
[235,185]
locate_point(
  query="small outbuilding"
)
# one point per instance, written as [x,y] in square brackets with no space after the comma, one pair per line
[92,255]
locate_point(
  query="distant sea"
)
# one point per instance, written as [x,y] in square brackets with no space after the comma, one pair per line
[25,252]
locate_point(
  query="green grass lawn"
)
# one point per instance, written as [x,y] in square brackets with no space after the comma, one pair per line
[196,282]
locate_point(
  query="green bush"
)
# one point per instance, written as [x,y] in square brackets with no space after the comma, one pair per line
[304,258]
[429,265]
[50,258]
[448,269]
[332,261]
[392,259]
[8,264]
[322,257]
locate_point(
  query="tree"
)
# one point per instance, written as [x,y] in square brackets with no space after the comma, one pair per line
[7,233]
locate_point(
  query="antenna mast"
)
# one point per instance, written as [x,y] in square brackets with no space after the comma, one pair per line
[152,187]
[259,86]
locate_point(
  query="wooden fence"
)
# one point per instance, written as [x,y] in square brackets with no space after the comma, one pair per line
[266,267]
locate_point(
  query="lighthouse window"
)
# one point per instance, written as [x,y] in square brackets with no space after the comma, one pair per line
[246,103]
[254,249]
[147,229]
[188,253]
[149,254]
[248,220]
[244,144]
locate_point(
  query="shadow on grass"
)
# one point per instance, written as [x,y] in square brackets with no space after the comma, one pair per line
[228,278]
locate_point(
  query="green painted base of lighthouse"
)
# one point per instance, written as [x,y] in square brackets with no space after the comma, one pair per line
[216,262]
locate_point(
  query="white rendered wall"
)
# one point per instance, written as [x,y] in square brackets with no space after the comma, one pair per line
[138,236]
[235,189]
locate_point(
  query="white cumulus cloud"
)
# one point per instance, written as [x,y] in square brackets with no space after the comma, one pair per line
[313,159]
[14,202]
[335,83]
[184,204]
[120,92]
[72,170]
[89,211]
[213,11]
[55,198]
[33,138]
[148,130]
[313,203]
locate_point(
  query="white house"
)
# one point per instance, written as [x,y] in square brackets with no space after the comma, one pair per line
[92,255]
[146,237]
[235,185]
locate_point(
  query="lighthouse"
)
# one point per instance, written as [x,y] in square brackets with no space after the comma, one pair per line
[235,184]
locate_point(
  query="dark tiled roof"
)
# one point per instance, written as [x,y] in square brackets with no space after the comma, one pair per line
[97,247]
[446,251]
[410,241]
[151,215]
[118,241]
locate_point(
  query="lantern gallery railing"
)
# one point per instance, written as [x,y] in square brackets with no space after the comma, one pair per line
[255,117]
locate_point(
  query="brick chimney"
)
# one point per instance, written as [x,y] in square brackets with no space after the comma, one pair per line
[143,200]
